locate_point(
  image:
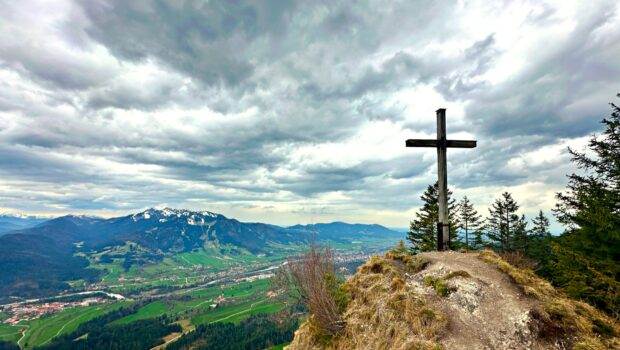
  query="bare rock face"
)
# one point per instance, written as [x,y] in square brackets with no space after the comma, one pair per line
[468,294]
[485,309]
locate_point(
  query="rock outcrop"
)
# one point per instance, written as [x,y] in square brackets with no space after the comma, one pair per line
[453,300]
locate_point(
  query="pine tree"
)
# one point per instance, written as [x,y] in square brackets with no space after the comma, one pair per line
[541,226]
[423,229]
[540,238]
[502,222]
[591,205]
[521,239]
[469,221]
[589,251]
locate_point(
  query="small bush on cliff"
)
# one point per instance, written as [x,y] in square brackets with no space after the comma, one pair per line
[313,281]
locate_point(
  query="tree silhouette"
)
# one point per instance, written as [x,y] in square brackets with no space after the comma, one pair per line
[423,229]
[502,222]
[470,221]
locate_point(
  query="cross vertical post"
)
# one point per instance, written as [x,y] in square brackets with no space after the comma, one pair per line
[443,225]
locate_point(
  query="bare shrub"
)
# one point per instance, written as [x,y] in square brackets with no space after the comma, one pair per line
[311,279]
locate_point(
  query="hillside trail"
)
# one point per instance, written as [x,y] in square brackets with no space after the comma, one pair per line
[485,311]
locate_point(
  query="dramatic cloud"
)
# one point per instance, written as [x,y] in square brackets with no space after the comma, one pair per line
[298,111]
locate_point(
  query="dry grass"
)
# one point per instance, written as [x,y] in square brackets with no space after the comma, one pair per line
[519,260]
[561,320]
[531,284]
[383,313]
[439,285]
[458,273]
[411,263]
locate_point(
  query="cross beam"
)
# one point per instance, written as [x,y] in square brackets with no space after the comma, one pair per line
[434,143]
[442,144]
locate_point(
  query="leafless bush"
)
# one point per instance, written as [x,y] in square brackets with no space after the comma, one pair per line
[311,278]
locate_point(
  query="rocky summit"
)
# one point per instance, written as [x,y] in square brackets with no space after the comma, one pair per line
[451,300]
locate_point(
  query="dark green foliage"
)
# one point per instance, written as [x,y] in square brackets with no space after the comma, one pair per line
[583,277]
[35,265]
[143,334]
[503,222]
[338,289]
[438,284]
[539,238]
[5,345]
[470,223]
[257,332]
[602,328]
[540,227]
[93,325]
[585,260]
[521,236]
[423,230]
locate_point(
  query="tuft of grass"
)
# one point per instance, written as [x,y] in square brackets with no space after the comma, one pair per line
[397,284]
[439,285]
[531,284]
[459,273]
[397,252]
[603,328]
[412,263]
[415,264]
[378,265]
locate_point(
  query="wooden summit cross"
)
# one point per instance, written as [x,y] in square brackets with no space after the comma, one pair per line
[443,225]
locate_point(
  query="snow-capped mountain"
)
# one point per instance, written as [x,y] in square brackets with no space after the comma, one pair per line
[43,256]
[11,222]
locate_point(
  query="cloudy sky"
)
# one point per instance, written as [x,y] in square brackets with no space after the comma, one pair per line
[295,112]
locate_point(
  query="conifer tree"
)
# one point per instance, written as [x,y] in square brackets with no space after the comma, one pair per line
[423,229]
[540,238]
[591,205]
[585,258]
[541,226]
[521,239]
[469,221]
[502,222]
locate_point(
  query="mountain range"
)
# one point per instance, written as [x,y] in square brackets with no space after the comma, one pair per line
[39,260]
[12,222]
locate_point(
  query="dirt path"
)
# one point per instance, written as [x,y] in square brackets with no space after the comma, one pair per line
[240,312]
[186,328]
[486,311]
[23,336]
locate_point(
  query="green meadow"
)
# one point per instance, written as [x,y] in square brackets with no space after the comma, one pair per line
[42,330]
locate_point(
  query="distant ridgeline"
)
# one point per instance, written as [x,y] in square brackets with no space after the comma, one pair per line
[39,260]
[10,222]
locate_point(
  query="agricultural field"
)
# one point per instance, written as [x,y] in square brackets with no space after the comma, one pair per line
[237,312]
[178,271]
[154,309]
[238,301]
[42,330]
[10,333]
[200,287]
